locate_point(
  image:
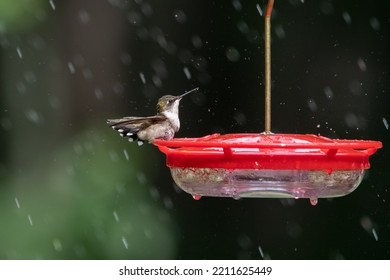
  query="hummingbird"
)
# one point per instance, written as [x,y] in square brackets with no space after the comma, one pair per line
[163,125]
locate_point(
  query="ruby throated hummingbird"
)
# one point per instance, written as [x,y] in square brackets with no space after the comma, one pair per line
[164,125]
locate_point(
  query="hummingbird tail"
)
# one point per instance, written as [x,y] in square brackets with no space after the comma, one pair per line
[125,128]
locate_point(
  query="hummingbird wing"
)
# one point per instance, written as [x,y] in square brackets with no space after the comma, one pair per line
[130,126]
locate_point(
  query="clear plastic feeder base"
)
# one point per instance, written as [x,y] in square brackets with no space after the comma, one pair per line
[266,183]
[267,165]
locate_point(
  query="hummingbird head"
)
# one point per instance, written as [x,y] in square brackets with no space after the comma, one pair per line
[170,103]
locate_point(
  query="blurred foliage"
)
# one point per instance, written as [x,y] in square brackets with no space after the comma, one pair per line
[21,14]
[84,202]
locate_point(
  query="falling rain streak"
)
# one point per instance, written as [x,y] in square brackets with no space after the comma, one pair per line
[361,64]
[261,251]
[19,53]
[142,77]
[116,217]
[53,6]
[17,202]
[368,225]
[30,220]
[71,68]
[57,245]
[124,241]
[126,154]
[259,9]
[187,73]
[386,124]
[347,17]
[374,234]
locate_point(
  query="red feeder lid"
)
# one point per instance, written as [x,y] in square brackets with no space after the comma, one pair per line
[273,151]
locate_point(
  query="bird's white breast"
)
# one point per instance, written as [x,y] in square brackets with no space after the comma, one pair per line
[173,119]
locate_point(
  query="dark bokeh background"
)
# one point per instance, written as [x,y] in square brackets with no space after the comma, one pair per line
[70,188]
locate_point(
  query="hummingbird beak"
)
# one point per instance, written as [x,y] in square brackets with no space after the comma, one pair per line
[184,94]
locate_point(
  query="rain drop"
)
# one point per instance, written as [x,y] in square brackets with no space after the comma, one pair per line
[30,77]
[53,6]
[240,118]
[126,154]
[168,202]
[141,178]
[30,219]
[84,17]
[160,68]
[366,223]
[351,120]
[32,116]
[154,193]
[197,41]
[148,233]
[187,73]
[117,87]
[375,24]
[124,241]
[313,201]
[157,81]
[243,27]
[87,74]
[134,18]
[279,30]
[328,92]
[237,5]
[196,196]
[355,87]
[374,234]
[98,94]
[200,63]
[368,226]
[19,52]
[180,16]
[261,251]
[146,9]
[142,77]
[113,156]
[327,8]
[17,202]
[347,17]
[71,68]
[57,245]
[142,33]
[125,58]
[116,217]
[294,230]
[386,124]
[361,64]
[312,105]
[21,87]
[232,54]
[259,9]
[78,60]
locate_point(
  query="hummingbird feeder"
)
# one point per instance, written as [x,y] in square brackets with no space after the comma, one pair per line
[267,164]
